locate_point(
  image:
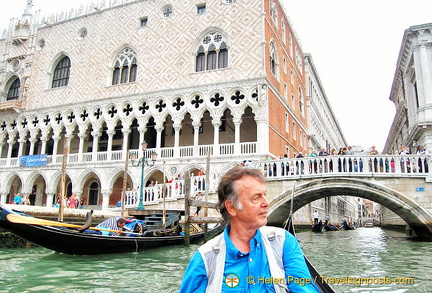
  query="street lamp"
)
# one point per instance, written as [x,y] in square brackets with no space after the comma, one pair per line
[143,161]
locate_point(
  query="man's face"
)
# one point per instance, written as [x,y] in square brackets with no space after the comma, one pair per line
[253,198]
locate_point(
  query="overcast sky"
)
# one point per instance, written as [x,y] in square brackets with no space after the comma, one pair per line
[354,46]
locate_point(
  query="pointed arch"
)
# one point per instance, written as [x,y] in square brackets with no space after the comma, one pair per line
[61,72]
[211,50]
[125,67]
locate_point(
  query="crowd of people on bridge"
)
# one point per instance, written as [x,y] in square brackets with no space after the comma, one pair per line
[353,163]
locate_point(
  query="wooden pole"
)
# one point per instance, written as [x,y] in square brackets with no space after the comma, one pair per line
[125,174]
[206,193]
[63,179]
[164,195]
[187,210]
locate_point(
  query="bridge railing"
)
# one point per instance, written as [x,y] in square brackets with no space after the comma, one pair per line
[385,165]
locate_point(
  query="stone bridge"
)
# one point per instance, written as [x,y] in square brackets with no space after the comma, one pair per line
[399,183]
[402,184]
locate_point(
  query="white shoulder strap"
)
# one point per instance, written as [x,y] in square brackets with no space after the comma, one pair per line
[213,254]
[273,239]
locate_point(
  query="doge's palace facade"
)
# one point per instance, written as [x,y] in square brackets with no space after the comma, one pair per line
[86,86]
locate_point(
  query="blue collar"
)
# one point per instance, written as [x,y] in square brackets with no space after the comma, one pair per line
[233,252]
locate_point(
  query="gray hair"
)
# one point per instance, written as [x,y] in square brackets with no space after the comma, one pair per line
[227,188]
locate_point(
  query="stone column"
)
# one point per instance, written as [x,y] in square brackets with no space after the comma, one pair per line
[126,133]
[262,131]
[261,119]
[105,199]
[95,135]
[44,143]
[142,131]
[177,128]
[159,129]
[1,148]
[21,146]
[216,147]
[56,139]
[32,145]
[10,146]
[81,146]
[237,147]
[110,133]
[3,196]
[49,199]
[426,74]
[196,127]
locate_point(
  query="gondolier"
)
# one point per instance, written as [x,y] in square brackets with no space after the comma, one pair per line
[115,223]
[315,216]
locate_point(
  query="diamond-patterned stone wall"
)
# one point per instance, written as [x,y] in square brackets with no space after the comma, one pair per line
[165,49]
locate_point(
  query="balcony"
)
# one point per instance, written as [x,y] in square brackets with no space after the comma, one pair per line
[246,148]
[10,105]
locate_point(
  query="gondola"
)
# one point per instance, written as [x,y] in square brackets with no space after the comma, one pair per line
[81,240]
[318,227]
[316,276]
[331,227]
[346,226]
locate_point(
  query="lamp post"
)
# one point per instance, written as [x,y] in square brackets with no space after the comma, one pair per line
[143,161]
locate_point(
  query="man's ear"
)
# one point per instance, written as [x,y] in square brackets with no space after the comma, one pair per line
[230,206]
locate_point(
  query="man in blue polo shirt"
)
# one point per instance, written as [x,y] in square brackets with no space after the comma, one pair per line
[248,256]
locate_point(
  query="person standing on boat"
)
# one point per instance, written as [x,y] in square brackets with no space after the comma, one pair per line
[315,216]
[247,252]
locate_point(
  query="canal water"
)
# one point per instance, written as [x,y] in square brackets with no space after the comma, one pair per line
[370,255]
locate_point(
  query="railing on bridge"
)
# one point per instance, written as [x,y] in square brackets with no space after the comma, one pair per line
[174,190]
[362,166]
[385,165]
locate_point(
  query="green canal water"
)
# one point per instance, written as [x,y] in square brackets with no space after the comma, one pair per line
[368,253]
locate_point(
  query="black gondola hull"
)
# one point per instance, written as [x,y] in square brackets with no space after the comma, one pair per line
[71,241]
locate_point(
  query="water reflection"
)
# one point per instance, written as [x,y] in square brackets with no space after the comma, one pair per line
[40,270]
[370,253]
[364,253]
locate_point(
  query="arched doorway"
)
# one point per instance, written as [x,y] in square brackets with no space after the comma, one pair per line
[93,193]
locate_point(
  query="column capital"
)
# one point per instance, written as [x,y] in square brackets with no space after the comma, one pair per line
[96,133]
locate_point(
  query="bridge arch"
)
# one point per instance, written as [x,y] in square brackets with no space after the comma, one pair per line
[418,218]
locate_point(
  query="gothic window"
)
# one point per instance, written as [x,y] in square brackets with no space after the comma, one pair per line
[62,73]
[125,67]
[212,52]
[273,12]
[273,59]
[13,93]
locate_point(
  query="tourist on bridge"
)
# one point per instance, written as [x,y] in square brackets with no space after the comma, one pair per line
[247,250]
[404,162]
[422,151]
[373,163]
